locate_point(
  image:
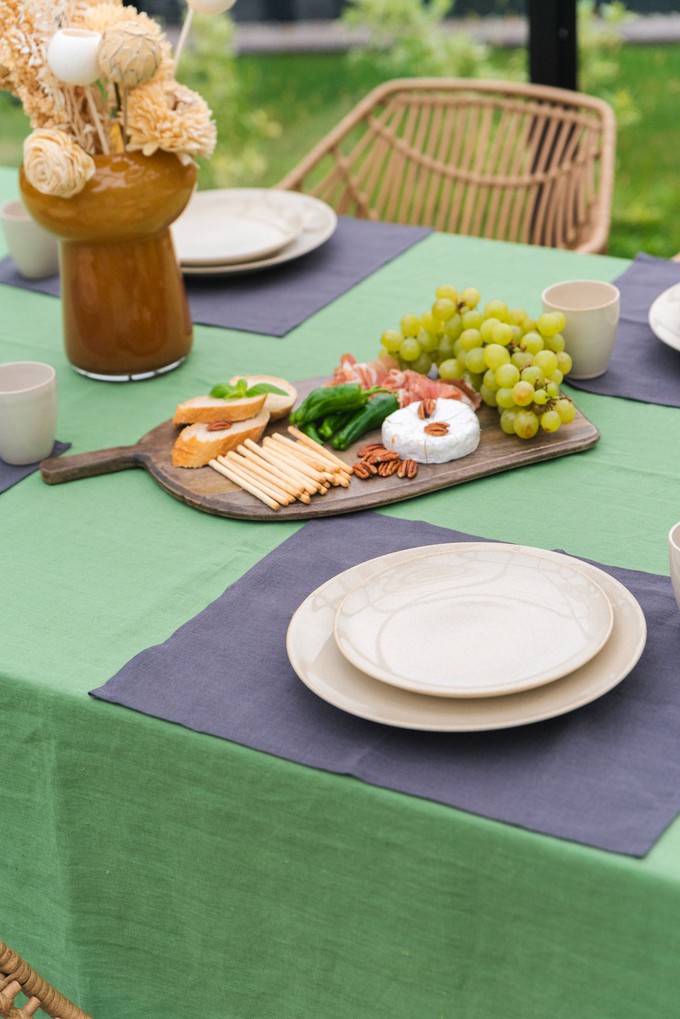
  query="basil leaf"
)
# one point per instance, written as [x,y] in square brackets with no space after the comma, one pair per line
[224,391]
[265,387]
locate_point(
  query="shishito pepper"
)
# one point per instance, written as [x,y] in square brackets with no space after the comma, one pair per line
[332,423]
[329,399]
[365,420]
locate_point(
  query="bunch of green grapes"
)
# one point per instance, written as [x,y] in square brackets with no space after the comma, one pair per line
[515,362]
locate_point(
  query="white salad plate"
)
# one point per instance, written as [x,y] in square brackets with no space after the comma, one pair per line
[317,660]
[474,621]
[203,230]
[664,317]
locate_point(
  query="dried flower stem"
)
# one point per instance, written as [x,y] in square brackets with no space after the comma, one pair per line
[183,35]
[97,120]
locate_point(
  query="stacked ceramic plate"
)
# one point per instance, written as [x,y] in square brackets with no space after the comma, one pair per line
[664,317]
[248,229]
[469,636]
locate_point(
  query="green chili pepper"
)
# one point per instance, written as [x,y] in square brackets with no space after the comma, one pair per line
[328,399]
[334,422]
[365,420]
[310,430]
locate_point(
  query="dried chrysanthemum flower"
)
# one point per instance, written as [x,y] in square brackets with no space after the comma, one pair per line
[128,54]
[55,165]
[166,115]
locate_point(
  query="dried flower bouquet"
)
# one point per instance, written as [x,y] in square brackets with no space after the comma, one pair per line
[95,78]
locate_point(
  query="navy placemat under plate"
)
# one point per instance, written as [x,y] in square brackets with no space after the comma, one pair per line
[642,367]
[280,298]
[607,775]
[10,474]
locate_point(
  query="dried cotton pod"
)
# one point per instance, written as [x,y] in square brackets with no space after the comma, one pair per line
[128,55]
[72,56]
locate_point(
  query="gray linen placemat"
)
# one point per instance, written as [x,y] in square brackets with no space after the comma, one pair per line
[10,474]
[642,367]
[280,298]
[607,775]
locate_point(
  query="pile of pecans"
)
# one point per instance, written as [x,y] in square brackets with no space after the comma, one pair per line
[376,461]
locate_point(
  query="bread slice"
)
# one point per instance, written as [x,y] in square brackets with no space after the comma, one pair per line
[208,409]
[278,406]
[196,445]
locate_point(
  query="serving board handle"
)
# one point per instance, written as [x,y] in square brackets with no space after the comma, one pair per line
[87,465]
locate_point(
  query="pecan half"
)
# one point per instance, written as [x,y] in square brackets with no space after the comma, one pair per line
[437,428]
[427,408]
[388,467]
[364,471]
[407,469]
[218,426]
[380,456]
[370,448]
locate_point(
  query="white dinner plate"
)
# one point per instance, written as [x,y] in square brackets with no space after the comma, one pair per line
[318,662]
[474,621]
[318,223]
[664,317]
[229,227]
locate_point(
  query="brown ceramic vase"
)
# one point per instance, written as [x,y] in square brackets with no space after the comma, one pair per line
[124,307]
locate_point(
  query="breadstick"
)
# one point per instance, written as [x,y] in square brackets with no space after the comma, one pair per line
[253,489]
[309,486]
[266,483]
[322,451]
[281,478]
[299,464]
[302,451]
[268,474]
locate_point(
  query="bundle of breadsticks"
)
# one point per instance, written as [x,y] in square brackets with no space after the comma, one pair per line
[280,470]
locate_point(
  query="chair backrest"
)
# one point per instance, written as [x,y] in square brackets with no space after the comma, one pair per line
[17,977]
[505,160]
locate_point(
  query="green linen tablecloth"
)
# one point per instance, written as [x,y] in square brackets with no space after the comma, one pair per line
[148,870]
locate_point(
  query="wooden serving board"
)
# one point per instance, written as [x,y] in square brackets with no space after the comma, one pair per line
[204,489]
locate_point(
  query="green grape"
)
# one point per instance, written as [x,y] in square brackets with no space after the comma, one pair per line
[540,397]
[474,360]
[422,364]
[488,396]
[502,334]
[495,355]
[533,342]
[497,309]
[472,319]
[384,352]
[552,389]
[517,334]
[549,324]
[410,325]
[550,421]
[451,369]
[522,359]
[443,309]
[457,348]
[490,380]
[506,374]
[391,340]
[561,320]
[564,362]
[533,374]
[508,421]
[470,296]
[526,424]
[566,410]
[556,376]
[446,348]
[546,361]
[410,349]
[454,326]
[516,316]
[470,338]
[529,325]
[523,393]
[504,397]
[474,379]
[427,341]
[446,291]
[487,327]
[555,343]
[429,322]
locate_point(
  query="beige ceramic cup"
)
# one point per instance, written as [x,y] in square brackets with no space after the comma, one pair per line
[28,411]
[34,251]
[591,309]
[674,557]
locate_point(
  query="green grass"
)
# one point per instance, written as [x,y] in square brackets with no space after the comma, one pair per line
[307,94]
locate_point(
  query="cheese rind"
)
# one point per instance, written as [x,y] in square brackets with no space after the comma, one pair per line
[404,431]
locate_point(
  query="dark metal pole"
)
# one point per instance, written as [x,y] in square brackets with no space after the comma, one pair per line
[552,42]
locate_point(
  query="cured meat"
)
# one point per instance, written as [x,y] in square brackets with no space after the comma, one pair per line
[407,385]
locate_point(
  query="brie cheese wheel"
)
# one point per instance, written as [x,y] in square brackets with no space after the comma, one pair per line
[405,432]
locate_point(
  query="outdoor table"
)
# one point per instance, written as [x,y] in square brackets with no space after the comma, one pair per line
[147,869]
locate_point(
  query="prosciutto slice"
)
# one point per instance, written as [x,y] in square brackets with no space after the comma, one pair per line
[408,386]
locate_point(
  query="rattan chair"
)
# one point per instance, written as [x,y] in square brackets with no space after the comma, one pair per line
[18,978]
[504,160]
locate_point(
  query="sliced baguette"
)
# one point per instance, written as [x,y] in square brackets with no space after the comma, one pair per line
[278,406]
[196,446]
[208,409]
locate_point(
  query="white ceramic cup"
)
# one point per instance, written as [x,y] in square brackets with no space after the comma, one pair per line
[591,309]
[34,251]
[28,411]
[674,557]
